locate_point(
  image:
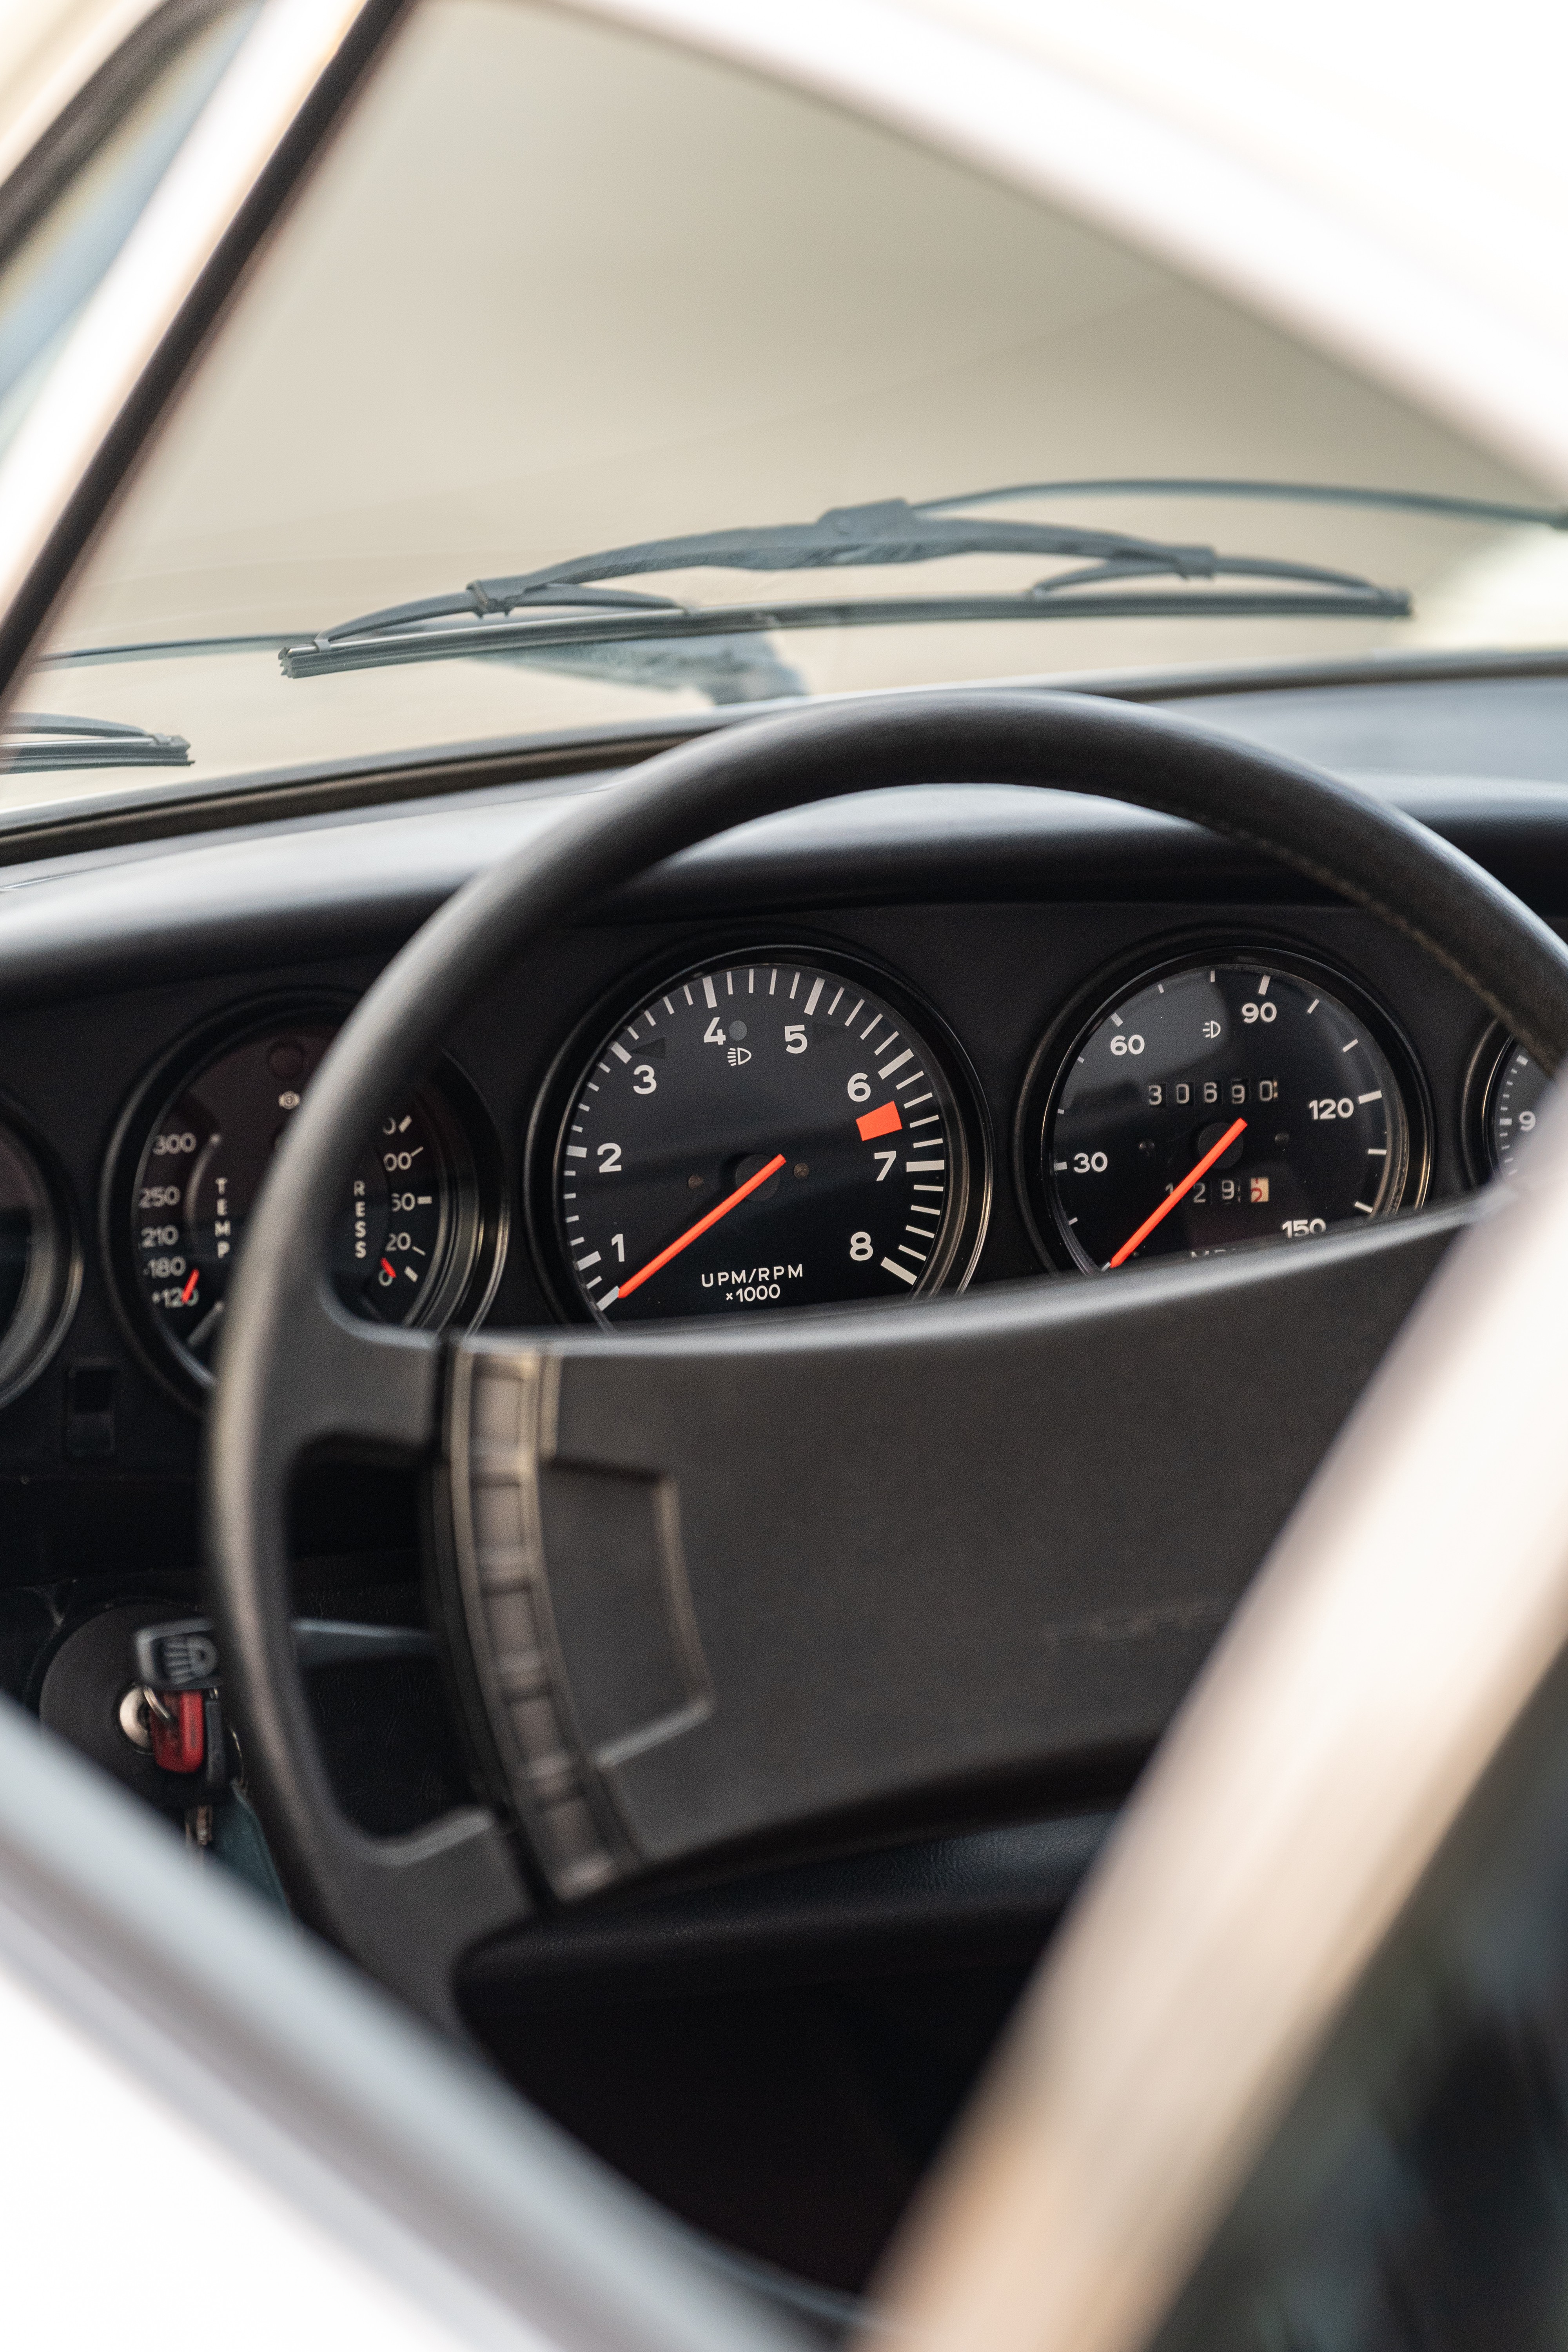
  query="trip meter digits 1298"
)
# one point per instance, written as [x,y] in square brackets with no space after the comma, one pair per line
[761,1133]
[1220,1104]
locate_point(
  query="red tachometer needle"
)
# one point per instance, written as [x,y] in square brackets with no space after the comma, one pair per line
[1179,1191]
[693,1233]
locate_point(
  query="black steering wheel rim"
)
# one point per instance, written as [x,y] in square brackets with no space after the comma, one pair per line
[292,1371]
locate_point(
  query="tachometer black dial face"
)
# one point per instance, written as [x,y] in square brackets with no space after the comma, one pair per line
[1216,1105]
[1513,1098]
[760,1133]
[404,1240]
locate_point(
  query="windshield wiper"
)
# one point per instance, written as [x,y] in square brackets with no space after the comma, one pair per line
[1307,494]
[513,615]
[34,741]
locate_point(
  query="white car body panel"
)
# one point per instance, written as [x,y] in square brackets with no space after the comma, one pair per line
[1377,182]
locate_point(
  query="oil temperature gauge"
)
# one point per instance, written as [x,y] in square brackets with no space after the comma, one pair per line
[414,1241]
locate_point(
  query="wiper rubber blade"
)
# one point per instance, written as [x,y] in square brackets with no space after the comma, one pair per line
[515,638]
[36,742]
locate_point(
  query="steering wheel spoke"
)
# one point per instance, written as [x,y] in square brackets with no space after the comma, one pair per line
[729,1584]
[362,1385]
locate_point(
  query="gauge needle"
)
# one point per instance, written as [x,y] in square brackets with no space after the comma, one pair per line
[694,1233]
[1179,1191]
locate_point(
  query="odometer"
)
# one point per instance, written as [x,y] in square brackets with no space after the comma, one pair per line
[762,1132]
[1220,1104]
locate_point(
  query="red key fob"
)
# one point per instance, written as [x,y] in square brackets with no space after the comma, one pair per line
[179,1735]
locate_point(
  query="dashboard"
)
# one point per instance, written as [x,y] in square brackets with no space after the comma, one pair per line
[898,1045]
[877,1050]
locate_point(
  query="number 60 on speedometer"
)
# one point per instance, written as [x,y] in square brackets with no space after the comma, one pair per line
[1216,1104]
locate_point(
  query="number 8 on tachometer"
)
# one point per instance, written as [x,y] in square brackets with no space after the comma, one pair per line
[762,1132]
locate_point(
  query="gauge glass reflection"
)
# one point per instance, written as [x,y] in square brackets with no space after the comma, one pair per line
[1217,1106]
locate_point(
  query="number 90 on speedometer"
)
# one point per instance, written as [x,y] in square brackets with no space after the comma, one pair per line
[1211,1106]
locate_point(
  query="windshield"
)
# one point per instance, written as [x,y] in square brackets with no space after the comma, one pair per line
[725,397]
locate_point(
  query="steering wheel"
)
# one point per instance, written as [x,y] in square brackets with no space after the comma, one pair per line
[954,1573]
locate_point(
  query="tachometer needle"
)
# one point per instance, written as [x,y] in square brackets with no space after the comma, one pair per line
[694,1233]
[1179,1191]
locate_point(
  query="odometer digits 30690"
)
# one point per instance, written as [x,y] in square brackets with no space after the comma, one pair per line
[1219,1104]
[763,1132]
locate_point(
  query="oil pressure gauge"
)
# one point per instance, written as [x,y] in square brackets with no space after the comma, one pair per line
[1220,1103]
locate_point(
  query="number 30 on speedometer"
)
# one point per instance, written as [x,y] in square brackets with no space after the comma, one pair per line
[1215,1105]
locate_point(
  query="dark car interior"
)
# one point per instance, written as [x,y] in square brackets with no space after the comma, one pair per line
[775,2049]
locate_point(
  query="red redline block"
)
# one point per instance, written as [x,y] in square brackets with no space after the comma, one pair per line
[885,1121]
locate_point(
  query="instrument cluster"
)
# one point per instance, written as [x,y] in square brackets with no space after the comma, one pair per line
[782,1127]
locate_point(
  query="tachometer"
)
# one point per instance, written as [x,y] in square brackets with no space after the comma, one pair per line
[414,1238]
[764,1131]
[1216,1104]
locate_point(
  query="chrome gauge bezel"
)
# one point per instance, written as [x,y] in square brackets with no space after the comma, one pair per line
[474,1255]
[588,1040]
[52,1284]
[1054,1058]
[1482,1077]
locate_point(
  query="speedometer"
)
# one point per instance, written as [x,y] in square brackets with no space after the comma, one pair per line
[767,1130]
[1216,1104]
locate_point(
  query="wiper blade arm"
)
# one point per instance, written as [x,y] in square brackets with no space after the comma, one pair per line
[34,742]
[886,532]
[1219,486]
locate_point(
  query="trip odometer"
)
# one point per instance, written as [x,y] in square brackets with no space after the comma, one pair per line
[763,1132]
[1219,1104]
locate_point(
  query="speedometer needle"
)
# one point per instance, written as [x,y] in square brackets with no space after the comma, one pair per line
[1177,1192]
[694,1233]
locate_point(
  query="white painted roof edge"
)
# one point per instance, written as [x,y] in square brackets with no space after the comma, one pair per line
[1351,221]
